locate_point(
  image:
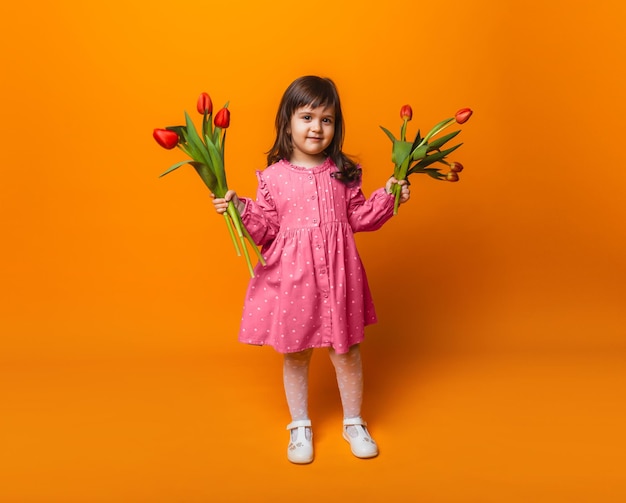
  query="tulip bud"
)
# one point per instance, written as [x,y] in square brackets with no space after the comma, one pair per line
[406,113]
[457,167]
[205,104]
[452,176]
[166,138]
[222,118]
[463,115]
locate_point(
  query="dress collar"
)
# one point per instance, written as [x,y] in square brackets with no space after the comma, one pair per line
[326,165]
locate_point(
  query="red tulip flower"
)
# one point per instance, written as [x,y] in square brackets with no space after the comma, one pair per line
[222,118]
[456,167]
[205,149]
[406,113]
[421,154]
[205,105]
[166,138]
[463,115]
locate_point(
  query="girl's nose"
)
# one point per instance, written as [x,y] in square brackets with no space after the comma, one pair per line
[316,125]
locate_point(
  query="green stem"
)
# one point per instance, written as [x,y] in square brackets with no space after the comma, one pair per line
[235,217]
[238,223]
[404,168]
[437,129]
[396,190]
[232,233]
[247,255]
[253,244]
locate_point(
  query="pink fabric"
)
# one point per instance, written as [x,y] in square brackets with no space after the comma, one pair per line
[313,292]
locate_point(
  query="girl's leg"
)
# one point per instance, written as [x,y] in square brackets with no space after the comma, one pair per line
[349,371]
[296,381]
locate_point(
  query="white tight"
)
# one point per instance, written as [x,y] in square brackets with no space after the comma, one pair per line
[348,368]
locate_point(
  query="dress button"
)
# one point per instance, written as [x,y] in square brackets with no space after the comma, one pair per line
[322,271]
[315,220]
[313,197]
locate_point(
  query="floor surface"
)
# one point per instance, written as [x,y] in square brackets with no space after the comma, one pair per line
[507,427]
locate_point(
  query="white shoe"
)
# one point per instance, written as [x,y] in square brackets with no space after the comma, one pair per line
[300,449]
[361,442]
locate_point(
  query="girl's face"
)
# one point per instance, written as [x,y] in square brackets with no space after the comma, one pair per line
[312,130]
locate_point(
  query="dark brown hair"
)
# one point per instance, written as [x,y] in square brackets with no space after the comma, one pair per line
[314,92]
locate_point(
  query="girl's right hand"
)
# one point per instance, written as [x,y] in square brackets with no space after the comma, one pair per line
[221,203]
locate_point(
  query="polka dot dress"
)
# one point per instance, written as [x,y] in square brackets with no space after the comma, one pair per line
[313,292]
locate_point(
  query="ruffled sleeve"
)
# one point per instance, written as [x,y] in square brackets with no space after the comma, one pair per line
[260,216]
[369,214]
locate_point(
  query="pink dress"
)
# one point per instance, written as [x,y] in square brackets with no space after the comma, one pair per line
[313,292]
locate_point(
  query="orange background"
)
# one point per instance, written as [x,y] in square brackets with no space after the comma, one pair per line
[496,372]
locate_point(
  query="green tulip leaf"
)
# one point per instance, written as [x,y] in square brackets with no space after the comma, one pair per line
[401,150]
[192,151]
[440,142]
[389,134]
[428,160]
[189,148]
[419,153]
[207,177]
[434,173]
[216,135]
[217,163]
[196,143]
[205,122]
[175,166]
[439,127]
[208,139]
[417,141]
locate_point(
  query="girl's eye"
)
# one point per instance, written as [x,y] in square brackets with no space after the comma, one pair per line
[307,117]
[327,120]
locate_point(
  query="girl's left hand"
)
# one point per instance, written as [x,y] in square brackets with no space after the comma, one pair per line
[405,192]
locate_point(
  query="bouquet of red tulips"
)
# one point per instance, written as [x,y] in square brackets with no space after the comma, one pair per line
[206,152]
[417,156]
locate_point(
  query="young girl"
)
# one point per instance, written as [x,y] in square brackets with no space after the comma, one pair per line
[313,292]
